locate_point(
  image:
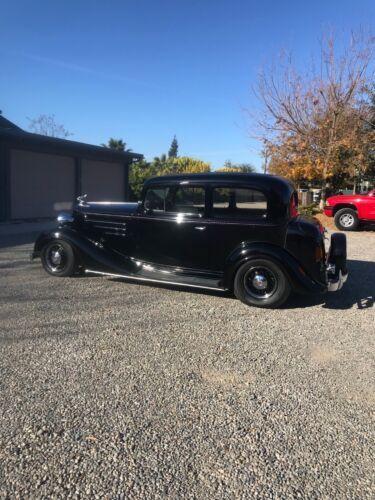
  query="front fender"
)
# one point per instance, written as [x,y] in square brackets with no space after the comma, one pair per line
[91,254]
[69,235]
[298,278]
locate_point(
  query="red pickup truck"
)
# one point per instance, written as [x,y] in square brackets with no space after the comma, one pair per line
[350,211]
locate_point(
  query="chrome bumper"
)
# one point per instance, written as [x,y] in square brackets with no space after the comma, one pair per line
[336,269]
[336,281]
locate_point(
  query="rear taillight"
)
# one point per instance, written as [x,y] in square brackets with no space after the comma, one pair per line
[294,205]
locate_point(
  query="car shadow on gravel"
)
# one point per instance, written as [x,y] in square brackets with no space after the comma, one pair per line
[359,290]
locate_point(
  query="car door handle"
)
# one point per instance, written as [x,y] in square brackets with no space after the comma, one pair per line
[200,228]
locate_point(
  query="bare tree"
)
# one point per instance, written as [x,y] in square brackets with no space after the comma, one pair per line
[47,125]
[307,115]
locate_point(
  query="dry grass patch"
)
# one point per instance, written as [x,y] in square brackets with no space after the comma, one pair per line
[226,378]
[323,354]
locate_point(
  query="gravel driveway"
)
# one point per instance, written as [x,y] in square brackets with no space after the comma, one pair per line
[131,391]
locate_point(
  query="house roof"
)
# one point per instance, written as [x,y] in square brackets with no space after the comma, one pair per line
[7,125]
[20,138]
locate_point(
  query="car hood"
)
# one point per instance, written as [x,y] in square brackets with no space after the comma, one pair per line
[107,208]
[346,198]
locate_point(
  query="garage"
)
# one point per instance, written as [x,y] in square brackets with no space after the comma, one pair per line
[30,173]
[100,178]
[41,176]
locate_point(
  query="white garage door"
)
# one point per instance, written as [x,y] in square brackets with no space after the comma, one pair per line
[42,185]
[103,181]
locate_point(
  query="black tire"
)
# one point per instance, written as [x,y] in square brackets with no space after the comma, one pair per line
[346,219]
[62,266]
[261,283]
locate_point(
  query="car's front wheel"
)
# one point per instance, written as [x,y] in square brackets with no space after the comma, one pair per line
[346,219]
[58,258]
[261,283]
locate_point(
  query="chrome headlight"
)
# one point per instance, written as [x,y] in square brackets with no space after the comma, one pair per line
[65,218]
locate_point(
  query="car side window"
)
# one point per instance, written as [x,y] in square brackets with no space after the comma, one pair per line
[239,203]
[155,199]
[186,199]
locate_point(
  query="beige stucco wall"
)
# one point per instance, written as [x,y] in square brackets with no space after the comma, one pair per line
[42,185]
[103,181]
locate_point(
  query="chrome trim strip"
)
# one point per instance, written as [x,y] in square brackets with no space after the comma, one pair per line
[201,219]
[97,221]
[111,228]
[130,277]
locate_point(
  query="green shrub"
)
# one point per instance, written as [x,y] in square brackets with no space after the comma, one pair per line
[310,210]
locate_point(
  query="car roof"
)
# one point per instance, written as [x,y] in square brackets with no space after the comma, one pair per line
[261,181]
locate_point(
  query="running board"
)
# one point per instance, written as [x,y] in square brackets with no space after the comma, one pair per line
[151,280]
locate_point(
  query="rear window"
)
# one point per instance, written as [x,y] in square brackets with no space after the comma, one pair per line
[239,203]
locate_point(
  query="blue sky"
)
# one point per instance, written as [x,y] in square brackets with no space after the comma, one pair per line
[144,70]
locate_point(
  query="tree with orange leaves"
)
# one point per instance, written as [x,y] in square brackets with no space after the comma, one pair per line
[312,123]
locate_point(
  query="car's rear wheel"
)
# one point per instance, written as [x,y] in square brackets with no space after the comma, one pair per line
[346,219]
[58,258]
[261,283]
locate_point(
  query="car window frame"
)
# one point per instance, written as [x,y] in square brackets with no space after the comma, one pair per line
[148,211]
[169,214]
[238,220]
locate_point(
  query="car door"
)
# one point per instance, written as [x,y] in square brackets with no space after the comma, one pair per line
[172,229]
[238,215]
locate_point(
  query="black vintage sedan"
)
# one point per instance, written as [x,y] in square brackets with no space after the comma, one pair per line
[224,231]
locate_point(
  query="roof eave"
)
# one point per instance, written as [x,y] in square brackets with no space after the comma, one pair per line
[20,137]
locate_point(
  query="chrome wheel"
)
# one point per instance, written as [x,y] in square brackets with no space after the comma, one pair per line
[260,283]
[59,258]
[56,258]
[347,220]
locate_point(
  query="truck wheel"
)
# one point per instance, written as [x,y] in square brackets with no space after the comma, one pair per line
[261,283]
[346,219]
[58,258]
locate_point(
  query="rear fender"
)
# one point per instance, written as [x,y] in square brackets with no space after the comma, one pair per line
[298,278]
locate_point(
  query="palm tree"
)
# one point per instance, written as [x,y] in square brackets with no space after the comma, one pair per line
[118,144]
